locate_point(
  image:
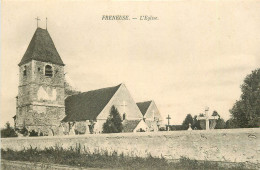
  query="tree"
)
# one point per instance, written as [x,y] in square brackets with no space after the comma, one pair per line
[229,124]
[201,115]
[215,113]
[114,122]
[188,120]
[8,131]
[246,111]
[220,124]
[196,123]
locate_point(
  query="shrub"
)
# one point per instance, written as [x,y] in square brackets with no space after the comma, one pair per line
[24,131]
[162,129]
[8,131]
[33,133]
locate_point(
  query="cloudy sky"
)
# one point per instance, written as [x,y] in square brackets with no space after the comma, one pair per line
[197,54]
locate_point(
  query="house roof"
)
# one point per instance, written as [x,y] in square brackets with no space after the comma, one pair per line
[143,106]
[88,105]
[130,125]
[42,48]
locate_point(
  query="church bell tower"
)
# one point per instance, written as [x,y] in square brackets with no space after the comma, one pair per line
[40,102]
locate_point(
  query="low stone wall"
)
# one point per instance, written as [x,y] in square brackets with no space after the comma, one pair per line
[229,145]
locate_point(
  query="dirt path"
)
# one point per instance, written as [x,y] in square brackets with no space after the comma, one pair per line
[20,165]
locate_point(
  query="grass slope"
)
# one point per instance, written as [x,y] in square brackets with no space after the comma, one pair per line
[103,159]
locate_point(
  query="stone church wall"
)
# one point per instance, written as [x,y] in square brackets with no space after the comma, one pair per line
[40,104]
[35,79]
[40,118]
[48,84]
[24,95]
[229,145]
[39,77]
[24,80]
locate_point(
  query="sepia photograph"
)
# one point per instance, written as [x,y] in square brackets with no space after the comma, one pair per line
[170,84]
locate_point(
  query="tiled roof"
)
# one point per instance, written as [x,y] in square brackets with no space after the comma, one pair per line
[42,48]
[88,105]
[130,125]
[143,106]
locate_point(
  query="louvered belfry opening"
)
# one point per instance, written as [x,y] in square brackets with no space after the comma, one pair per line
[48,71]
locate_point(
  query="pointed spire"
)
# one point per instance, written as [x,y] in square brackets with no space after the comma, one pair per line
[42,48]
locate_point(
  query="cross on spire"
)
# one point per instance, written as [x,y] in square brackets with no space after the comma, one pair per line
[37,19]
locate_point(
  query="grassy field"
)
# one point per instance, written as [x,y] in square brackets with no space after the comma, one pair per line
[102,159]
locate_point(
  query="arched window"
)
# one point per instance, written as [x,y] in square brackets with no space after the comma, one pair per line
[124,116]
[48,71]
[25,71]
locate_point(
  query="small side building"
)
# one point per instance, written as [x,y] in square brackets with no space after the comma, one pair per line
[151,115]
[135,126]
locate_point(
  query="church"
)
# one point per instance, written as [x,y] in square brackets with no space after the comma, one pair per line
[45,103]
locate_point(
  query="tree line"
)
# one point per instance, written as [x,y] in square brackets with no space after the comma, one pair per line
[245,113]
[196,124]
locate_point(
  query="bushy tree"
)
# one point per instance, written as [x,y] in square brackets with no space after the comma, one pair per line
[114,122]
[69,90]
[196,123]
[229,124]
[8,131]
[246,111]
[215,113]
[201,115]
[188,120]
[220,124]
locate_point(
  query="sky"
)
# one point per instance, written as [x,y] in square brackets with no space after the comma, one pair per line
[196,54]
